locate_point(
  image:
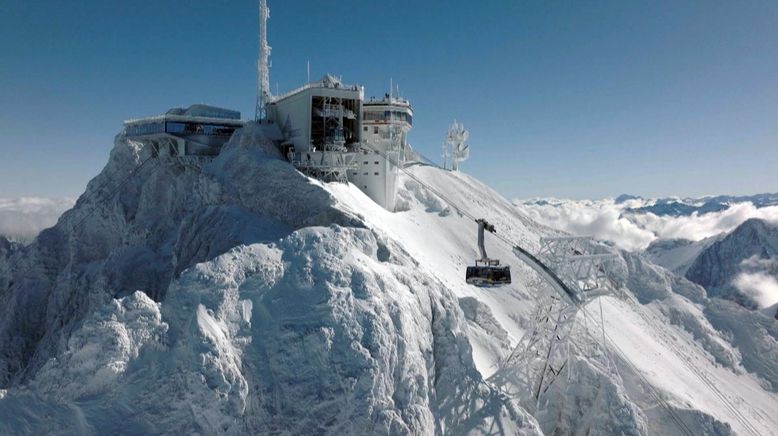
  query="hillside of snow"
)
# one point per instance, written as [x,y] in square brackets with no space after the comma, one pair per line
[236,296]
[677,255]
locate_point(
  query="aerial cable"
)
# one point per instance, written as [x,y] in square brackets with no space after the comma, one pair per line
[673,414]
[654,393]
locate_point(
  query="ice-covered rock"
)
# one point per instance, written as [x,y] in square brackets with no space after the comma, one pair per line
[180,296]
[233,295]
[140,223]
[330,331]
[752,248]
[591,401]
[100,350]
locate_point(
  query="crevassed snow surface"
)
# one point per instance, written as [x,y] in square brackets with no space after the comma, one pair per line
[271,303]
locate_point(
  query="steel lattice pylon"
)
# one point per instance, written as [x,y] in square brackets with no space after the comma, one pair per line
[543,352]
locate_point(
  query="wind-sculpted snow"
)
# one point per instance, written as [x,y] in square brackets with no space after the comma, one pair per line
[138,229]
[233,295]
[99,351]
[600,393]
[329,331]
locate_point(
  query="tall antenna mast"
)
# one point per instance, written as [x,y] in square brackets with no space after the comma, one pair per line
[263,64]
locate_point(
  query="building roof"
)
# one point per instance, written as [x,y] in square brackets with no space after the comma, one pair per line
[197,112]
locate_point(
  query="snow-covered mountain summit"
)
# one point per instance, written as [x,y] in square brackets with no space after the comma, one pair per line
[230,296]
[235,296]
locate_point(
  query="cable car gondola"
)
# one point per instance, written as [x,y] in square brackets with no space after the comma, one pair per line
[487,272]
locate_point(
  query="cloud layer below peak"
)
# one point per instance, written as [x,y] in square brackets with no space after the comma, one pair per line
[611,221]
[23,218]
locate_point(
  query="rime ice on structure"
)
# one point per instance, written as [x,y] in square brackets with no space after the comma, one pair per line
[456,138]
[324,128]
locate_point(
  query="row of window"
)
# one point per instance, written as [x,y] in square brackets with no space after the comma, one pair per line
[366,162]
[389,115]
[354,173]
[145,129]
[179,128]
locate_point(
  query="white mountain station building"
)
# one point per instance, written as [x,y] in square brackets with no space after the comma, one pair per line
[324,128]
[332,133]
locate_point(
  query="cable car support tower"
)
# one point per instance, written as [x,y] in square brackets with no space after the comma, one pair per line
[542,355]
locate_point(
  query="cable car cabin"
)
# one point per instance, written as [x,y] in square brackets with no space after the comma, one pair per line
[488,275]
[487,272]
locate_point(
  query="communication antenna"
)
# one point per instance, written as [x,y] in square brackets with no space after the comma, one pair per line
[457,135]
[263,65]
[309,71]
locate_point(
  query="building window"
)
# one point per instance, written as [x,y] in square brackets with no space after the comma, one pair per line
[376,162]
[375,130]
[364,129]
[365,162]
[376,174]
[365,174]
[365,186]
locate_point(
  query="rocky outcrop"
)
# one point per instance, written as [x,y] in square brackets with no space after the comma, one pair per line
[751,247]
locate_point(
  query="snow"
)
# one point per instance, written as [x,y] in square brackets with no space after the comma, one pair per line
[241,297]
[677,255]
[445,242]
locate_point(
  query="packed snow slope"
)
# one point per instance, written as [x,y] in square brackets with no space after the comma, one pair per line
[236,296]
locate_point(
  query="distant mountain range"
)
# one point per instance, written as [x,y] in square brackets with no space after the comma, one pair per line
[741,265]
[672,206]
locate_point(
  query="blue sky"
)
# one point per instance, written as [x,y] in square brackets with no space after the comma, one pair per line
[568,99]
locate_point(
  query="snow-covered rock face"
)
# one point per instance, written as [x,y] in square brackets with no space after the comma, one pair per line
[243,324]
[677,255]
[138,228]
[99,351]
[743,266]
[601,395]
[329,331]
[235,296]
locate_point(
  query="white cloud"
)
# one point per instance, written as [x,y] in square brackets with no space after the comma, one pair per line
[23,218]
[604,219]
[756,263]
[600,219]
[761,287]
[696,227]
